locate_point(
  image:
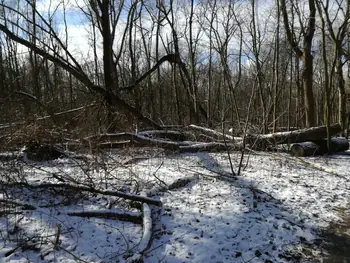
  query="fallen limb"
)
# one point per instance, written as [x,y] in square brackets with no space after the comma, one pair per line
[16,203]
[147,217]
[132,197]
[26,244]
[122,216]
[181,182]
[146,235]
[220,175]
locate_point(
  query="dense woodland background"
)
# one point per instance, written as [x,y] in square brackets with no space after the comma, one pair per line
[271,64]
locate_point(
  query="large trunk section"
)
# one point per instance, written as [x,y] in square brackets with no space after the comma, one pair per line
[339,144]
[262,142]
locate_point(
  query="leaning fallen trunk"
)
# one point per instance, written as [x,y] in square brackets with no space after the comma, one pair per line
[339,144]
[125,138]
[210,147]
[212,133]
[167,134]
[263,142]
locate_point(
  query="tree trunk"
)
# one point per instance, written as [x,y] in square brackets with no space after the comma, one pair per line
[309,101]
[305,55]
[262,142]
[342,95]
[318,147]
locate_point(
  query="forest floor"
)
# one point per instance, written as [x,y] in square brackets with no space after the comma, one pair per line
[280,209]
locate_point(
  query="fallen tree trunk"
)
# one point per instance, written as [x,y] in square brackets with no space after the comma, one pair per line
[118,140]
[114,145]
[167,134]
[284,129]
[24,206]
[210,132]
[319,147]
[263,142]
[209,147]
[80,188]
[137,139]
[146,239]
[122,216]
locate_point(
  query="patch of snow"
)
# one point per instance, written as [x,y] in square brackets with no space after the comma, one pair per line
[267,214]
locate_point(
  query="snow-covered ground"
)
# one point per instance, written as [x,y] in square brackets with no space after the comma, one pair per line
[273,212]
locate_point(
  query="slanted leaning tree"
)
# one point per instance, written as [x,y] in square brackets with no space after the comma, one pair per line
[106,16]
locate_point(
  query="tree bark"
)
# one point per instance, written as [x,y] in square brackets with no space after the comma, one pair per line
[207,131]
[319,147]
[122,216]
[305,55]
[262,142]
[79,188]
[209,147]
[110,97]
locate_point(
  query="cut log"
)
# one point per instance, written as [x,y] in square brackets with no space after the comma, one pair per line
[304,149]
[263,142]
[339,144]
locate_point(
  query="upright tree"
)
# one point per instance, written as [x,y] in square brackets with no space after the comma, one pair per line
[304,53]
[337,33]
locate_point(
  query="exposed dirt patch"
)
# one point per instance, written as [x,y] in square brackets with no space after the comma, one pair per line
[337,241]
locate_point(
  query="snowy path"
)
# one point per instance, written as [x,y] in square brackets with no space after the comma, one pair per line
[220,221]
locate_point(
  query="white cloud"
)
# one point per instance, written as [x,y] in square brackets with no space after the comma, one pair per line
[49,6]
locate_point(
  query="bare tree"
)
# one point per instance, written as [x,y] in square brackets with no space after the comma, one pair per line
[327,79]
[102,9]
[338,39]
[304,53]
